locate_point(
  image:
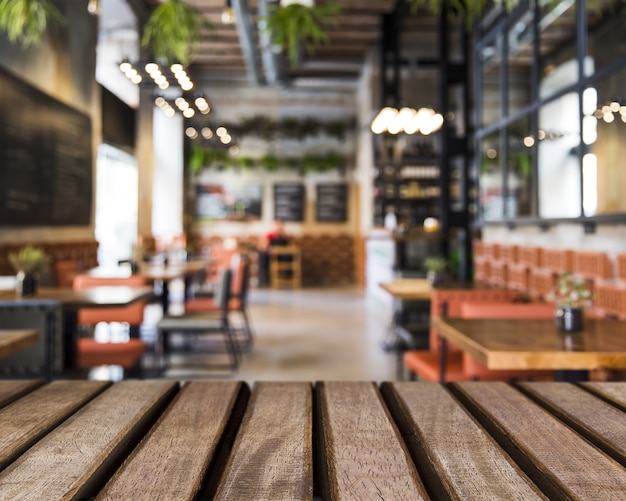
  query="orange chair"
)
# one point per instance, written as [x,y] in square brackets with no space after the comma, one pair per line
[91,353]
[238,302]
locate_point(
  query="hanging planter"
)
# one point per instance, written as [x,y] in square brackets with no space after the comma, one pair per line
[295,23]
[173,30]
[26,21]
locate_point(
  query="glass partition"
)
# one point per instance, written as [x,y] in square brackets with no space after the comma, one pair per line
[490,180]
[521,145]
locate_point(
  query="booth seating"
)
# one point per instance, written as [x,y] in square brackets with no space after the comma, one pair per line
[285,267]
[486,303]
[199,325]
[238,302]
[92,353]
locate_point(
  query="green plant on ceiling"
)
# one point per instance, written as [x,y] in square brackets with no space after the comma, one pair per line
[26,21]
[173,31]
[298,23]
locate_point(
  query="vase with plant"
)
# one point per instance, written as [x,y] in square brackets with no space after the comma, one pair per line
[571,296]
[435,267]
[28,262]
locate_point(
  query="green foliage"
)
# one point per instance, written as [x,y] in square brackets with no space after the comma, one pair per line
[289,127]
[173,29]
[435,263]
[25,21]
[29,259]
[294,24]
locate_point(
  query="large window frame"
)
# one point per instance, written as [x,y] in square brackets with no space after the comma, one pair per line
[496,36]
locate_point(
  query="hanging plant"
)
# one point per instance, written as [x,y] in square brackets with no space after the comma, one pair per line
[173,30]
[26,21]
[296,24]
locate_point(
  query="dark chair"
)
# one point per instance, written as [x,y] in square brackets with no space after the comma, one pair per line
[45,359]
[195,326]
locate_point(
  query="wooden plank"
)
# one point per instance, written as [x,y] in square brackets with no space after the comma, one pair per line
[409,288]
[11,390]
[456,458]
[562,463]
[272,457]
[28,419]
[615,392]
[364,454]
[12,341]
[171,462]
[75,459]
[602,423]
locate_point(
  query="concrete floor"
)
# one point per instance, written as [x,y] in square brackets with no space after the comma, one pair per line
[300,335]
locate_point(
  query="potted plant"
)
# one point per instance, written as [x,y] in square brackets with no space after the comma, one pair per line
[292,23]
[571,296]
[25,21]
[435,266]
[28,262]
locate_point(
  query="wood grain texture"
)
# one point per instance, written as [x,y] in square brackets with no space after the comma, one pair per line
[11,390]
[12,341]
[25,421]
[68,462]
[365,457]
[409,288]
[602,423]
[537,344]
[456,458]
[613,391]
[172,460]
[563,464]
[272,457]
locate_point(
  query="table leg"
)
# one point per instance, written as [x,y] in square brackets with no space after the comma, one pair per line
[70,338]
[443,359]
[165,297]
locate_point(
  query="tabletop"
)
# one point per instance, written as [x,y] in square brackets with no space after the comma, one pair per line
[408,288]
[12,341]
[537,344]
[93,297]
[156,439]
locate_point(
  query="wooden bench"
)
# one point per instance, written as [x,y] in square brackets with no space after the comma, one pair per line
[298,440]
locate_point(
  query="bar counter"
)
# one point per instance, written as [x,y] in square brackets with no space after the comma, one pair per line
[157,439]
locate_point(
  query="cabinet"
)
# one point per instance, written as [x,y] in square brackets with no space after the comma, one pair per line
[407,179]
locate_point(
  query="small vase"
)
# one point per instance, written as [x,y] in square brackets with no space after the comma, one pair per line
[434,277]
[569,319]
[26,284]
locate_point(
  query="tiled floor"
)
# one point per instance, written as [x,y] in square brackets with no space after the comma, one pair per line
[304,335]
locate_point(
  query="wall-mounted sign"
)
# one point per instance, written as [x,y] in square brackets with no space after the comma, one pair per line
[332,203]
[289,202]
[45,159]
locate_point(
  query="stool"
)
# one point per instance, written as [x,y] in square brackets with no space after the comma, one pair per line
[285,270]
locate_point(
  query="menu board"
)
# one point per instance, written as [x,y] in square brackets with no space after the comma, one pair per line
[289,202]
[332,203]
[45,159]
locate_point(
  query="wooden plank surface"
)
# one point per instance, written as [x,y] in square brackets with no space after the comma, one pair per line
[12,341]
[537,344]
[409,288]
[562,463]
[172,460]
[272,457]
[94,297]
[26,420]
[11,390]
[364,455]
[602,423]
[615,392]
[72,460]
[456,458]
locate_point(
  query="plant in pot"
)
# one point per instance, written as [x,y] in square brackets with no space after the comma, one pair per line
[571,296]
[435,266]
[296,22]
[28,262]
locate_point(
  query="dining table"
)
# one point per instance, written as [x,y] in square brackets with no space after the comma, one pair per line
[537,344]
[167,439]
[14,340]
[72,300]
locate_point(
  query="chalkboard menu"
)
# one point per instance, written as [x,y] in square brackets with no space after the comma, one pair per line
[289,201]
[45,159]
[332,203]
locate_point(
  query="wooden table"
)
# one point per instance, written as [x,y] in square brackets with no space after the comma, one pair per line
[72,300]
[409,288]
[334,440]
[12,341]
[537,344]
